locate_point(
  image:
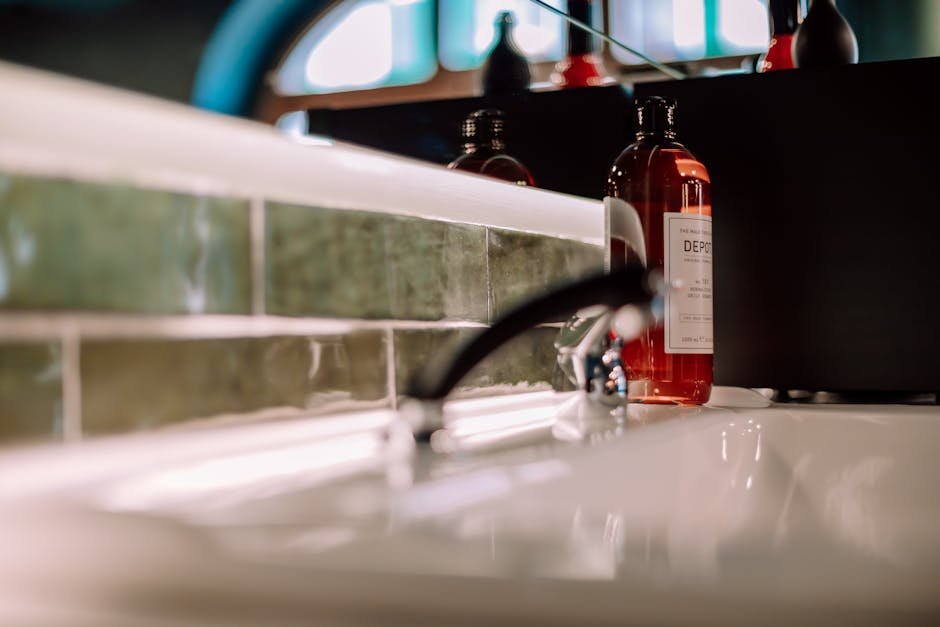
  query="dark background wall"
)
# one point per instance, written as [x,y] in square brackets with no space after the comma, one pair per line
[152,46]
[894,29]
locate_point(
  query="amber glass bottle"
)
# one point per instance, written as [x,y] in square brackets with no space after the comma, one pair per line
[670,191]
[581,67]
[484,149]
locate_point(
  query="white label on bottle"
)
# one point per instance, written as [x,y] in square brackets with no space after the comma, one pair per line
[688,273]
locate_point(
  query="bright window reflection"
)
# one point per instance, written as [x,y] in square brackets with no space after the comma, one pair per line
[358,65]
[363,44]
[466,31]
[677,30]
[688,27]
[743,25]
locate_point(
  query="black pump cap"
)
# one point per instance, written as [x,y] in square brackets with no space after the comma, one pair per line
[786,15]
[484,126]
[580,41]
[656,117]
[504,22]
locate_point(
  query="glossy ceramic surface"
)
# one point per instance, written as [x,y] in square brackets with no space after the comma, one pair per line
[534,511]
[78,245]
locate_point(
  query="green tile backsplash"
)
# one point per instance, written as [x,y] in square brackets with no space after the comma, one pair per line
[129,385]
[524,264]
[528,359]
[110,248]
[30,391]
[323,262]
[435,270]
[77,245]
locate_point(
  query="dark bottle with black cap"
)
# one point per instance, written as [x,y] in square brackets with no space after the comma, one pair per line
[484,149]
[506,70]
[657,184]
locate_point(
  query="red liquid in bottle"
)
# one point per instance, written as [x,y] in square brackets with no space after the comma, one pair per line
[785,18]
[581,67]
[660,177]
[779,55]
[581,70]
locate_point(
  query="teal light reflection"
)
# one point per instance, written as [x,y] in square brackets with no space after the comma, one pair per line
[680,30]
[363,45]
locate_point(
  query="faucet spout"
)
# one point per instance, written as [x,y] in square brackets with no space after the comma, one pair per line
[630,285]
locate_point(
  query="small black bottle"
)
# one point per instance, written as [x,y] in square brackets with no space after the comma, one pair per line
[506,70]
[824,38]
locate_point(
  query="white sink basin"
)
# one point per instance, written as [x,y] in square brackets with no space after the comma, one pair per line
[789,514]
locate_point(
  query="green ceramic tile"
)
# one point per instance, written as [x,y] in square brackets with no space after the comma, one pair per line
[129,385]
[79,245]
[524,264]
[526,361]
[325,262]
[30,391]
[436,270]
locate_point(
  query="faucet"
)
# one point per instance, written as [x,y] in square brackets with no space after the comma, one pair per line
[608,309]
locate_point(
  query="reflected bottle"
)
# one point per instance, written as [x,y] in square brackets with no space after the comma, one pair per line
[581,66]
[785,18]
[669,191]
[506,70]
[824,38]
[484,149]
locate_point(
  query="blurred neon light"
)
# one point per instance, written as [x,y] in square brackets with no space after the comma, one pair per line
[688,27]
[743,24]
[357,52]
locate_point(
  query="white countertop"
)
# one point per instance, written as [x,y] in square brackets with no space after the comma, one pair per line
[544,511]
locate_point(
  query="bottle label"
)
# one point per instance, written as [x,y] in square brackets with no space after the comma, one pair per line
[688,272]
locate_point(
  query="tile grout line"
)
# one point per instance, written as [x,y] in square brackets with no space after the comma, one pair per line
[71,386]
[390,370]
[256,233]
[42,325]
[489,279]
